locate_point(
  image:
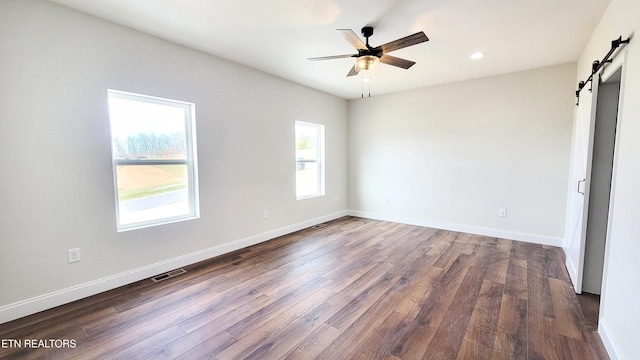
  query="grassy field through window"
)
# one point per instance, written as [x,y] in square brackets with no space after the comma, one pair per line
[138,181]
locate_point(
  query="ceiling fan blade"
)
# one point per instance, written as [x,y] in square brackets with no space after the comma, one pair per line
[416,38]
[332,57]
[353,39]
[396,61]
[354,71]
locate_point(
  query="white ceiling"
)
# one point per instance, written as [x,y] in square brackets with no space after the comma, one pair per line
[277,36]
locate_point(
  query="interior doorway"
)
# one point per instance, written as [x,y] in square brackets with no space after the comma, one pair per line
[608,96]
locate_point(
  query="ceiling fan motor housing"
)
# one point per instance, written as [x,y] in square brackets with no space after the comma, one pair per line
[367,31]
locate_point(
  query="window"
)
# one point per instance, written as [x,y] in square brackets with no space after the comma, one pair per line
[154,161]
[309,160]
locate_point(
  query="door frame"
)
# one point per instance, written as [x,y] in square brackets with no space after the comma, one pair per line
[575,266]
[620,62]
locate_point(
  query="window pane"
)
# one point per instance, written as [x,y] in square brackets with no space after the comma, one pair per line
[307,142]
[309,157]
[307,180]
[143,130]
[152,192]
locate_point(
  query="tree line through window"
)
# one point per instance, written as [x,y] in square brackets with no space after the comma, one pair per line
[149,145]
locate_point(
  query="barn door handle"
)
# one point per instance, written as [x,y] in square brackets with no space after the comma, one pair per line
[581,181]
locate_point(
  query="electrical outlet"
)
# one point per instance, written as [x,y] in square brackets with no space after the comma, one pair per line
[387,201]
[74,255]
[335,199]
[265,214]
[502,212]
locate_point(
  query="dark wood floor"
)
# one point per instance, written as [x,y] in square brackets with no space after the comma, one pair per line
[354,289]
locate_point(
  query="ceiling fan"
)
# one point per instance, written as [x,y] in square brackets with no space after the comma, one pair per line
[368,56]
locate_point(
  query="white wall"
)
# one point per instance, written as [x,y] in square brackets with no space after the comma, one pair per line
[451,156]
[56,189]
[620,313]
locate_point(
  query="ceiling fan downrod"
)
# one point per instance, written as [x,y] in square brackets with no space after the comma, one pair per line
[366,32]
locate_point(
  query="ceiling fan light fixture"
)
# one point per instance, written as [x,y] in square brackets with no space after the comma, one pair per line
[366,62]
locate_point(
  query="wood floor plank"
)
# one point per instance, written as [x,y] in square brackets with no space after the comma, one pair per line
[464,301]
[259,337]
[554,265]
[202,350]
[447,340]
[450,254]
[347,292]
[350,312]
[442,241]
[280,344]
[483,325]
[567,311]
[176,347]
[381,341]
[573,349]
[313,344]
[271,311]
[497,271]
[543,339]
[471,350]
[416,339]
[511,337]
[352,288]
[347,274]
[539,294]
[353,339]
[590,305]
[222,317]
[411,303]
[147,346]
[516,284]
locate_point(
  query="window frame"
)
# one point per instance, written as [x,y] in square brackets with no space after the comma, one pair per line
[190,161]
[320,158]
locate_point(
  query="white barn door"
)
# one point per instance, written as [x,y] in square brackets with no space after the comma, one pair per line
[578,199]
[580,174]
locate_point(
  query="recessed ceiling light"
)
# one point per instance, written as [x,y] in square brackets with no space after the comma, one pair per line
[477,55]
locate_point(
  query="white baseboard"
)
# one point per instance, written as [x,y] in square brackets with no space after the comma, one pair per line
[478,230]
[47,301]
[613,349]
